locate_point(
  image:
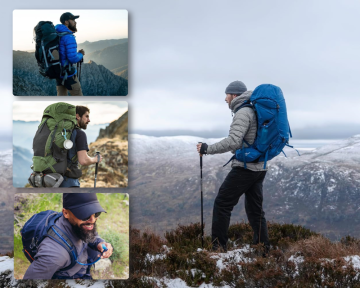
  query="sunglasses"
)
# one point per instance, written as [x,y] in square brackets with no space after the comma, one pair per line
[97,214]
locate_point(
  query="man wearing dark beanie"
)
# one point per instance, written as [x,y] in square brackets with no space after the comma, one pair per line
[78,227]
[239,181]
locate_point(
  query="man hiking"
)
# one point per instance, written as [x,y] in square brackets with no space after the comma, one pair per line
[239,181]
[76,225]
[80,146]
[68,56]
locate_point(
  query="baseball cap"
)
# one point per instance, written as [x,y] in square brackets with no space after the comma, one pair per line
[67,16]
[82,205]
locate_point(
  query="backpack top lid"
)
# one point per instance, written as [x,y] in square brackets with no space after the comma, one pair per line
[266,98]
[61,111]
[268,91]
[45,31]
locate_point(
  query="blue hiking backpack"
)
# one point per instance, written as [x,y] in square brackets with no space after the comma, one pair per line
[273,129]
[43,225]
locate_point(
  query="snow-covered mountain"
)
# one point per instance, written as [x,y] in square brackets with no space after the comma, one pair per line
[319,189]
[6,202]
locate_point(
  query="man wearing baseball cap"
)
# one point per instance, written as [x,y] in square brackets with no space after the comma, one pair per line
[78,222]
[68,56]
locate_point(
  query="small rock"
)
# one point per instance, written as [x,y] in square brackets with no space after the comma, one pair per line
[102,264]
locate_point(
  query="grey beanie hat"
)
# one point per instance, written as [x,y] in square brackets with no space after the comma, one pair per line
[236,87]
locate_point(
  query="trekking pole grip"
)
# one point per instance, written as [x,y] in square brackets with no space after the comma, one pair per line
[98,156]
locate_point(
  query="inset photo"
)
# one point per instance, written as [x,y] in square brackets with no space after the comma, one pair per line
[71,236]
[70,52]
[70,144]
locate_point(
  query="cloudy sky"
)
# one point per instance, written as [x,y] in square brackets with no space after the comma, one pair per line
[182,55]
[100,112]
[91,24]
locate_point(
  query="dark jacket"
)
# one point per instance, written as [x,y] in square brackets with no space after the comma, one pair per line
[68,49]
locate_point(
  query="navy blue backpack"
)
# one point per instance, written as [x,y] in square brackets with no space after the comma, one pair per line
[273,129]
[43,225]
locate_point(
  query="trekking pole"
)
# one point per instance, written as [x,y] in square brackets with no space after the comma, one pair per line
[96,167]
[80,69]
[202,212]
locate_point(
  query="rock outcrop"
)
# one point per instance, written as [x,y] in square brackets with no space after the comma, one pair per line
[117,128]
[95,79]
[112,144]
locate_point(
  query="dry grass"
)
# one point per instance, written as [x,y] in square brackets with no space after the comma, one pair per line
[321,247]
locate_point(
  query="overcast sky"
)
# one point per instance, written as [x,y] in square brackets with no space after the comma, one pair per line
[91,23]
[100,112]
[182,55]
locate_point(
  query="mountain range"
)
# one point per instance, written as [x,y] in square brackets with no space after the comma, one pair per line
[96,78]
[319,189]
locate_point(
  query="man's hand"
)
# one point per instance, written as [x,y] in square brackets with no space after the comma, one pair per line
[202,148]
[198,147]
[98,160]
[106,254]
[82,51]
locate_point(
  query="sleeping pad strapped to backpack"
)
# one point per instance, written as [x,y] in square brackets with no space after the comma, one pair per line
[47,49]
[53,145]
[273,129]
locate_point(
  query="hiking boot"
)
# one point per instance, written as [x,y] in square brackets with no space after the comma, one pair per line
[266,252]
[219,248]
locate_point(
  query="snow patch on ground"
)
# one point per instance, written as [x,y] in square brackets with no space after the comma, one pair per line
[354,260]
[6,264]
[232,257]
[179,283]
[96,284]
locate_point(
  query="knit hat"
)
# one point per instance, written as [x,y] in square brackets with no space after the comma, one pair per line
[236,87]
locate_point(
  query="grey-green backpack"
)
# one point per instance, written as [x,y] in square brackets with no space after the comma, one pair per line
[50,155]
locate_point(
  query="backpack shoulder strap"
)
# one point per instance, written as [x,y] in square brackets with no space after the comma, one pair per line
[60,237]
[245,104]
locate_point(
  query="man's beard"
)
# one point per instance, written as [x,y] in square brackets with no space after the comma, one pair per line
[88,236]
[82,124]
[72,28]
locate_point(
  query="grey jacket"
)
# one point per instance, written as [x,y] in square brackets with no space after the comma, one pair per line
[243,126]
[52,257]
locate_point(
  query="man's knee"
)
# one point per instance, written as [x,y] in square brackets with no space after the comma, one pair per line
[76,88]
[61,91]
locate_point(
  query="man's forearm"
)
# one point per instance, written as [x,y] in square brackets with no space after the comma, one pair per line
[41,270]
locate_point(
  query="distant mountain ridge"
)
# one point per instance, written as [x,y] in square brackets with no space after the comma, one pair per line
[111,57]
[90,47]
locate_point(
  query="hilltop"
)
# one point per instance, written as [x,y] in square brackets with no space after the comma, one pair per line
[298,258]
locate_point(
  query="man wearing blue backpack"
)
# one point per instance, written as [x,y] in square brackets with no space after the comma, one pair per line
[259,131]
[239,181]
[69,55]
[64,245]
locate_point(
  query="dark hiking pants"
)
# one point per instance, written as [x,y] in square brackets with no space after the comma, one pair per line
[240,181]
